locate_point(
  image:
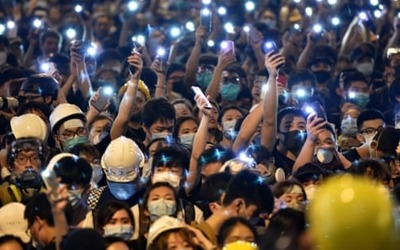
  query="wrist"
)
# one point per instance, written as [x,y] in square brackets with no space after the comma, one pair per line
[133,83]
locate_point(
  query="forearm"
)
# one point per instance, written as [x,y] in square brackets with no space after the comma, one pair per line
[260,57]
[61,226]
[213,88]
[68,84]
[161,88]
[303,58]
[305,156]
[29,57]
[393,41]
[123,37]
[192,64]
[84,84]
[270,107]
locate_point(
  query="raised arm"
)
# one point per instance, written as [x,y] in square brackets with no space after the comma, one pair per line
[127,103]
[306,53]
[192,63]
[270,101]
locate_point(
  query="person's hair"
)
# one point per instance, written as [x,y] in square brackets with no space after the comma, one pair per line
[74,171]
[179,123]
[99,117]
[10,238]
[367,115]
[52,34]
[253,190]
[227,227]
[161,241]
[288,223]
[173,68]
[214,186]
[158,185]
[302,75]
[215,154]
[171,156]
[283,187]
[351,77]
[85,148]
[329,127]
[113,239]
[387,140]
[107,210]
[39,206]
[227,108]
[108,54]
[289,110]
[82,239]
[184,101]
[28,107]
[157,109]
[380,171]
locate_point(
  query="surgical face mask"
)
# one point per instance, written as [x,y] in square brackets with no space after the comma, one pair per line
[310,191]
[160,208]
[74,197]
[187,139]
[348,126]
[166,176]
[162,135]
[204,79]
[122,190]
[124,232]
[97,173]
[369,137]
[322,76]
[366,68]
[361,100]
[75,141]
[294,140]
[271,23]
[3,57]
[229,129]
[230,91]
[299,206]
[99,137]
[325,155]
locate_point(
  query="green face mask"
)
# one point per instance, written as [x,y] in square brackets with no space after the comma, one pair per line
[75,141]
[230,91]
[204,79]
[361,100]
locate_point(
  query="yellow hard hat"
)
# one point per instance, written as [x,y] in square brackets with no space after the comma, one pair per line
[240,245]
[350,213]
[142,87]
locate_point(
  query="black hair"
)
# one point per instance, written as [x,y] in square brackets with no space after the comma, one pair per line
[387,140]
[227,108]
[50,33]
[215,154]
[253,190]
[329,127]
[367,115]
[101,116]
[112,239]
[82,239]
[289,110]
[214,186]
[283,187]
[11,238]
[73,171]
[157,109]
[171,156]
[302,75]
[380,170]
[352,77]
[227,227]
[173,68]
[41,84]
[109,54]
[85,148]
[180,121]
[287,223]
[106,211]
[157,185]
[39,206]
[27,107]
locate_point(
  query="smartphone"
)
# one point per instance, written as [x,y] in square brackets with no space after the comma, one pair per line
[49,68]
[206,19]
[198,91]
[253,34]
[105,94]
[50,180]
[227,45]
[319,110]
[271,46]
[134,50]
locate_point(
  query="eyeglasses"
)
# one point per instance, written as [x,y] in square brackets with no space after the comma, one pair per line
[23,159]
[369,131]
[68,134]
[32,97]
[231,79]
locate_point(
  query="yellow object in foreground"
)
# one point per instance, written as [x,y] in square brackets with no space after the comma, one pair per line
[240,245]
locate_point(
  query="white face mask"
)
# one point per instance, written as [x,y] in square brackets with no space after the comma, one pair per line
[166,176]
[187,139]
[229,129]
[366,68]
[124,232]
[162,135]
[74,197]
[368,138]
[310,191]
[3,57]
[397,125]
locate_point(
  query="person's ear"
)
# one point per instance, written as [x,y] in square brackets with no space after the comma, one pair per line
[48,100]
[213,206]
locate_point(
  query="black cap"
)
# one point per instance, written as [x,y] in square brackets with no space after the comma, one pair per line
[323,53]
[364,50]
[307,172]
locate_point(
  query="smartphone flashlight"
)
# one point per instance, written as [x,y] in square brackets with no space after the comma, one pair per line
[133,6]
[37,23]
[250,6]
[78,8]
[221,11]
[70,33]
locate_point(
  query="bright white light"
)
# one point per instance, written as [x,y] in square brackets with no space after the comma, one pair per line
[296,26]
[175,32]
[206,2]
[190,26]
[2,29]
[317,28]
[141,39]
[309,11]
[268,45]
[377,13]
[108,90]
[92,51]
[363,16]
[133,6]
[210,43]
[332,2]
[205,12]
[71,33]
[224,45]
[10,25]
[37,23]
[398,15]
[243,156]
[309,110]
[352,95]
[221,11]
[301,93]
[161,52]
[381,6]
[250,5]
[374,2]
[45,67]
[246,29]
[297,1]
[335,21]
[78,8]
[229,28]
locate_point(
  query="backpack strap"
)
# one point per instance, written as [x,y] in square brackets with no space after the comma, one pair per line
[94,197]
[188,208]
[143,221]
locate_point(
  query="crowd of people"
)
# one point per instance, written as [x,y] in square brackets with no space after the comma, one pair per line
[182,124]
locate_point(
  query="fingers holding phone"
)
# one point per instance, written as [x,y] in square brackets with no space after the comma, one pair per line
[135,64]
[102,98]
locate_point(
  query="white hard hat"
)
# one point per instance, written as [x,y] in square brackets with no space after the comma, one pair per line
[162,225]
[29,126]
[239,163]
[56,159]
[121,160]
[63,112]
[13,222]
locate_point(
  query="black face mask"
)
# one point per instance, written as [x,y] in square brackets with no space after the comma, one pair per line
[322,76]
[294,140]
[29,179]
[179,87]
